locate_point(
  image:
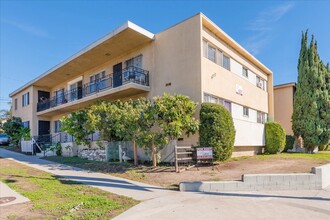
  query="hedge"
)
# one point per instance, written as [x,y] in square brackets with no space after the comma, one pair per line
[217,130]
[275,138]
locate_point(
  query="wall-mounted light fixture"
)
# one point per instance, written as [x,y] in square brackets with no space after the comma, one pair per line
[213,75]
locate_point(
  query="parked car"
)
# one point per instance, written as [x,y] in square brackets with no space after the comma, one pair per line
[4,139]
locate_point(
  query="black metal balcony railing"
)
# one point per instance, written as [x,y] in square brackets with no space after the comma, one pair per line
[129,74]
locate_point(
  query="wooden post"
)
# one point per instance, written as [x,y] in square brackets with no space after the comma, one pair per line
[176,157]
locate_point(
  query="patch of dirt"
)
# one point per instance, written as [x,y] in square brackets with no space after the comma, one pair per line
[232,170]
[19,211]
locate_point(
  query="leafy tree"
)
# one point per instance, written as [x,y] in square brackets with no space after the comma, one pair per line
[105,117]
[12,128]
[77,125]
[311,109]
[150,136]
[217,130]
[131,121]
[175,116]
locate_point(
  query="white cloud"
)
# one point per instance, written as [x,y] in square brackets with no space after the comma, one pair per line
[27,28]
[263,25]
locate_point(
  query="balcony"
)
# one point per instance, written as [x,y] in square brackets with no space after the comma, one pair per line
[131,81]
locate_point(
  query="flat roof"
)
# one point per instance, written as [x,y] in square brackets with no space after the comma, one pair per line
[290,84]
[123,27]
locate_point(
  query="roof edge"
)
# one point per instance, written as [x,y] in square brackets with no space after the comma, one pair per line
[124,26]
[245,53]
[285,85]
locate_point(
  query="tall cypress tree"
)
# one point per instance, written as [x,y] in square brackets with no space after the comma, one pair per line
[311,109]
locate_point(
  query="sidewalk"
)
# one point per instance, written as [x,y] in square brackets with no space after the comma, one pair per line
[159,203]
[120,186]
[9,196]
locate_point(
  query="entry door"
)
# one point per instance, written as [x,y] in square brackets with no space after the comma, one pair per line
[43,96]
[43,127]
[117,75]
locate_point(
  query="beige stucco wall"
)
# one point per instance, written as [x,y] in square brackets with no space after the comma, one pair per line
[219,81]
[283,100]
[175,57]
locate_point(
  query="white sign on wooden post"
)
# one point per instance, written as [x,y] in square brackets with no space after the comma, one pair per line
[204,152]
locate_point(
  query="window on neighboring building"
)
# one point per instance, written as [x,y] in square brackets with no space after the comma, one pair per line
[226,62]
[57,126]
[245,111]
[245,72]
[261,117]
[15,104]
[26,124]
[26,99]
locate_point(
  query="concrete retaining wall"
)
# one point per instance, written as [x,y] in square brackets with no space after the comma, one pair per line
[318,179]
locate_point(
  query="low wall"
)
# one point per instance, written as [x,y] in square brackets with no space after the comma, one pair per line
[324,172]
[318,179]
[93,154]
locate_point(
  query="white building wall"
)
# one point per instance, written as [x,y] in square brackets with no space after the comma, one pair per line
[248,131]
[252,77]
[235,67]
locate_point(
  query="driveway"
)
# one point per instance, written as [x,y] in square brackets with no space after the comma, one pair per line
[158,203]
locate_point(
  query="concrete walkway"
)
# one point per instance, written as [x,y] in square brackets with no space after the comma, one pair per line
[159,203]
[9,196]
[117,185]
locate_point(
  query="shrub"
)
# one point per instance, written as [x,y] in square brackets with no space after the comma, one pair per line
[275,138]
[217,130]
[289,142]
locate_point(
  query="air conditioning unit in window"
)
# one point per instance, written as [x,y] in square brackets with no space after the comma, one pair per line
[260,84]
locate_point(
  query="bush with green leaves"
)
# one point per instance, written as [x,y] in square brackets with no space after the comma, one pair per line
[217,130]
[275,138]
[289,142]
[14,129]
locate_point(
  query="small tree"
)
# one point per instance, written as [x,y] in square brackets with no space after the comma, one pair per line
[217,130]
[12,128]
[275,138]
[175,116]
[77,125]
[131,121]
[151,137]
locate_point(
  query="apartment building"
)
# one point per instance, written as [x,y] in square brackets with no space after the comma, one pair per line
[283,105]
[194,57]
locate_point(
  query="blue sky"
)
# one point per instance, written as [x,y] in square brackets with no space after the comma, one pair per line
[36,35]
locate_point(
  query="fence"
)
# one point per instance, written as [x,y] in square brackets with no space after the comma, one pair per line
[27,146]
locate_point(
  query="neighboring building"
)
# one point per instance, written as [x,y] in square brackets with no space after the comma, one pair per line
[194,57]
[283,105]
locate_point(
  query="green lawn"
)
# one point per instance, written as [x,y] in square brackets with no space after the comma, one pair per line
[319,155]
[58,198]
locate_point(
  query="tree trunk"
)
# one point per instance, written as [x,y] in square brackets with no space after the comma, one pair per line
[154,156]
[135,153]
